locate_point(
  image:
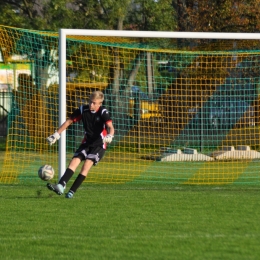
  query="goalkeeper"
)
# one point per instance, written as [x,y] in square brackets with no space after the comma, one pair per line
[96,121]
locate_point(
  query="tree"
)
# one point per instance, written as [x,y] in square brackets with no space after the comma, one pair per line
[102,14]
[152,15]
[50,15]
[219,15]
[138,15]
[21,13]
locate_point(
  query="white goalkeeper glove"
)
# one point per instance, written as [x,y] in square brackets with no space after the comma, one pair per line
[53,138]
[108,139]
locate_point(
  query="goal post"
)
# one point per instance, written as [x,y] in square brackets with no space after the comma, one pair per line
[62,100]
[63,33]
[185,105]
[122,33]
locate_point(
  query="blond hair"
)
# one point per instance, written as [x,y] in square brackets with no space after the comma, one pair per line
[97,95]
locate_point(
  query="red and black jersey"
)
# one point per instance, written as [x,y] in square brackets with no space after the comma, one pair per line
[94,123]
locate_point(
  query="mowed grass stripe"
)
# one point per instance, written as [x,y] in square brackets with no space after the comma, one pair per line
[130,222]
[218,173]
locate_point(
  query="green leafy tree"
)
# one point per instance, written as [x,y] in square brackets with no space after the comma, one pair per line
[102,14]
[51,15]
[152,15]
[13,13]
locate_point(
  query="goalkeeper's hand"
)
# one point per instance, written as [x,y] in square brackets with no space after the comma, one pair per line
[53,138]
[108,139]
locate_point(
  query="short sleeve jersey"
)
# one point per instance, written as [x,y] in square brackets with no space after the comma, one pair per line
[94,123]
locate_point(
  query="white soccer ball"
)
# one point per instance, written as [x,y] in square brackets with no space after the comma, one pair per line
[46,172]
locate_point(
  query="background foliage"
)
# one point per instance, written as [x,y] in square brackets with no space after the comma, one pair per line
[163,15]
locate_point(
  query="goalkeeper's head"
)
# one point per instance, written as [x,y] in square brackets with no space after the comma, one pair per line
[95,100]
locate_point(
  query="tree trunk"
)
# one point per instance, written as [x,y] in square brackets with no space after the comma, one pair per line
[149,73]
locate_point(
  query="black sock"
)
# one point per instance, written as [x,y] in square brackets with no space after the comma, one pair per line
[77,182]
[66,177]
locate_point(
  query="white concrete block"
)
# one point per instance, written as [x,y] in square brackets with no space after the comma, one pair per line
[238,155]
[186,157]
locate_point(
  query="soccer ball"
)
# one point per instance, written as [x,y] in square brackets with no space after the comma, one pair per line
[46,172]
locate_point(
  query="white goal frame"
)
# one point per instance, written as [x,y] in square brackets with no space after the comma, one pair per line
[121,33]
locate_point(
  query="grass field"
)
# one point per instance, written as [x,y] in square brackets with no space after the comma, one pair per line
[130,222]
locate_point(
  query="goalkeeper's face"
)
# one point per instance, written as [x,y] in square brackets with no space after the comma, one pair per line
[95,104]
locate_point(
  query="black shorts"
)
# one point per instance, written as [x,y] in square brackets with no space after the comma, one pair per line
[93,153]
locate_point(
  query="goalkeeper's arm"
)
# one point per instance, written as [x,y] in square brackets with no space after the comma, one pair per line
[111,130]
[56,136]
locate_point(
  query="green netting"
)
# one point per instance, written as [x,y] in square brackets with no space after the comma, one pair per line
[185,111]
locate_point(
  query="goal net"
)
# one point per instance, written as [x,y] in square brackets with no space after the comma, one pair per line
[185,106]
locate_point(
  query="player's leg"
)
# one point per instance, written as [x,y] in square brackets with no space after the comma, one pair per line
[74,163]
[81,177]
[93,156]
[60,187]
